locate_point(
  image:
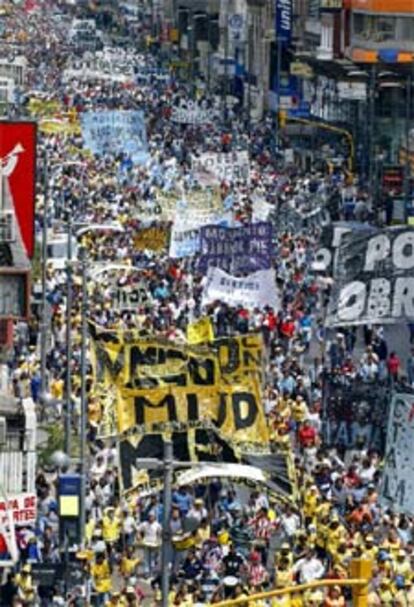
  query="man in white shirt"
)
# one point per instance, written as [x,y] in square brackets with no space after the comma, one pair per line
[309,568]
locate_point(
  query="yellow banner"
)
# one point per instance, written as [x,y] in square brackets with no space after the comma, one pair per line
[55,126]
[140,363]
[200,331]
[160,385]
[236,410]
[151,239]
[41,107]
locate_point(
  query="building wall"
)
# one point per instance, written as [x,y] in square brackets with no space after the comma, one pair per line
[382,31]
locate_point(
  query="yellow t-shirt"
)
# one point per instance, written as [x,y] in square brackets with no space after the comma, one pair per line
[101,574]
[110,529]
[128,566]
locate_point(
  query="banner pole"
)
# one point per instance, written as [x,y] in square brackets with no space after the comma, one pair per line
[165,547]
[68,412]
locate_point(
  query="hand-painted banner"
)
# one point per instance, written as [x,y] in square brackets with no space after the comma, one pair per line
[331,236]
[236,410]
[153,238]
[245,249]
[231,166]
[397,488]
[133,362]
[374,278]
[114,132]
[255,290]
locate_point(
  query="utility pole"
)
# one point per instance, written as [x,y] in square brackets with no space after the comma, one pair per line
[250,66]
[407,166]
[371,150]
[68,411]
[83,416]
[44,323]
[166,535]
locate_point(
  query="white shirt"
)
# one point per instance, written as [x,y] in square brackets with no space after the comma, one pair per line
[309,569]
[151,532]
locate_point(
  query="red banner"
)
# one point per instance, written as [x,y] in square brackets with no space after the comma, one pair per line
[18,161]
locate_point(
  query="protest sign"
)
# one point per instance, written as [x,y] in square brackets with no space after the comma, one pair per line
[255,290]
[130,361]
[354,410]
[261,209]
[330,239]
[244,249]
[397,486]
[118,131]
[161,385]
[153,238]
[23,508]
[236,410]
[185,239]
[229,166]
[191,112]
[374,278]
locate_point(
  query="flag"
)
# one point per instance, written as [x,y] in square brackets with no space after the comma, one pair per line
[200,331]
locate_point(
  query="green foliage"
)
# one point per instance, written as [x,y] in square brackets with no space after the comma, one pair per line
[54,442]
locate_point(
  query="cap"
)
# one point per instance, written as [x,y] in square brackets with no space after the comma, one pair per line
[130,590]
[26,568]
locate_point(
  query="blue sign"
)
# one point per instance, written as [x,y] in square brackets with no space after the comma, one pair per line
[284,21]
[116,132]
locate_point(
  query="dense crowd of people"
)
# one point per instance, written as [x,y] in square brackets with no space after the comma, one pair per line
[228,540]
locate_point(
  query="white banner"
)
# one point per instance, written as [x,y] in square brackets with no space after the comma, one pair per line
[190,112]
[185,239]
[397,487]
[22,508]
[229,166]
[255,290]
[261,209]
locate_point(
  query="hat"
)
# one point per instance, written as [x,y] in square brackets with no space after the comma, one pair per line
[285,546]
[26,568]
[198,502]
[369,538]
[401,553]
[130,590]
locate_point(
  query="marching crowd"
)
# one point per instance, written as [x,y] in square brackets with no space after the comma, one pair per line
[228,540]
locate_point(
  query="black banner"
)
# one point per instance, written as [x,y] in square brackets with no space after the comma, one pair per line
[374,278]
[352,410]
[199,445]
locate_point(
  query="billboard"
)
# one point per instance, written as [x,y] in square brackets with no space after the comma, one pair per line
[18,167]
[284,21]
